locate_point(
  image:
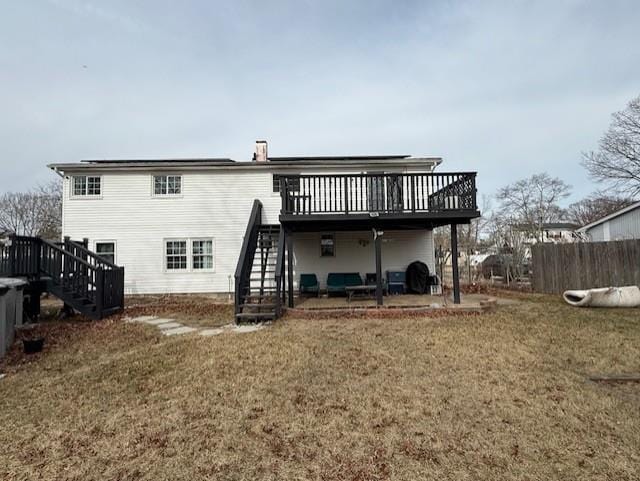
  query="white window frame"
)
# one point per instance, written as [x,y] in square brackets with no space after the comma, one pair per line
[165,255]
[213,254]
[167,194]
[189,254]
[107,241]
[86,195]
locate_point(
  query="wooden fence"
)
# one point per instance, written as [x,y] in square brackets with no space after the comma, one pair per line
[585,265]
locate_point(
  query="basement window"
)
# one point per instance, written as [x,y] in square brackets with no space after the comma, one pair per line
[85,185]
[327,245]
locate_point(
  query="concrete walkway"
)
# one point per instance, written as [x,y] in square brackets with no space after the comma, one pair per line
[169,327]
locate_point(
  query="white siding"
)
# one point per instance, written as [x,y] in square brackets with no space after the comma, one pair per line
[624,226]
[354,252]
[213,204]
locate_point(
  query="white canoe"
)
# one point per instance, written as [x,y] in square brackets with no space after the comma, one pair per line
[628,296]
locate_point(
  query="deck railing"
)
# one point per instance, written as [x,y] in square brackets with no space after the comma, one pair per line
[72,270]
[378,193]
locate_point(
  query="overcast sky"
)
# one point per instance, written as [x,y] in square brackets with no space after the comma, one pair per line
[505,88]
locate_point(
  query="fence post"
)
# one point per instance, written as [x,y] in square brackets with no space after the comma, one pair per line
[99,291]
[12,255]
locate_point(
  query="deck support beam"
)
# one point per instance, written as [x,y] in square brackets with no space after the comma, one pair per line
[377,237]
[454,263]
[289,240]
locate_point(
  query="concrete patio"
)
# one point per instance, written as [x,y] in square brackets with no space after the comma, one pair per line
[469,302]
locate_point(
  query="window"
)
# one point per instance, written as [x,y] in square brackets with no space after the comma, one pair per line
[84,185]
[327,245]
[167,184]
[107,250]
[193,255]
[176,255]
[294,183]
[202,254]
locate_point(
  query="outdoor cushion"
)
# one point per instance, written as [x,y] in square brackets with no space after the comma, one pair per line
[338,281]
[309,283]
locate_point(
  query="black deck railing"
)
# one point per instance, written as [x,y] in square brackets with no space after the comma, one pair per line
[378,193]
[73,272]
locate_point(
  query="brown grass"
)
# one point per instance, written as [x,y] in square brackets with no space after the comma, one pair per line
[498,396]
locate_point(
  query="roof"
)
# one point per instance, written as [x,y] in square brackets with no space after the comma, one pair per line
[551,226]
[274,163]
[610,216]
[338,157]
[154,161]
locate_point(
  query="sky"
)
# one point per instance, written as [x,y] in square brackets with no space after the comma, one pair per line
[504,88]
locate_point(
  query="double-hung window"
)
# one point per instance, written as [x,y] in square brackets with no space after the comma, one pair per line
[85,186]
[167,185]
[176,255]
[202,254]
[195,255]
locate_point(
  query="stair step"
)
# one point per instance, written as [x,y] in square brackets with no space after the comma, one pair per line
[258,306]
[258,297]
[255,315]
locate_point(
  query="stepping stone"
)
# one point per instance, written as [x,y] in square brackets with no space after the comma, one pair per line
[155,321]
[211,332]
[169,325]
[178,330]
[141,318]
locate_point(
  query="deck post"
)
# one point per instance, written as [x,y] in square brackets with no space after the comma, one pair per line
[289,239]
[377,237]
[454,263]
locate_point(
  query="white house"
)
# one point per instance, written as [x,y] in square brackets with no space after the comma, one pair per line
[205,225]
[620,225]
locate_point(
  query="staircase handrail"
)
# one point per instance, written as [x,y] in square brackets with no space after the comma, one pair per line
[245,261]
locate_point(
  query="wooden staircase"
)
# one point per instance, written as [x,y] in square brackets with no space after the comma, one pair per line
[259,276]
[84,281]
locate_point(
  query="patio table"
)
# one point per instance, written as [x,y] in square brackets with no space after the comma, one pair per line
[365,290]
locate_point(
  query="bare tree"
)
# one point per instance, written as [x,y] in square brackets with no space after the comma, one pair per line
[617,161]
[37,212]
[594,207]
[532,202]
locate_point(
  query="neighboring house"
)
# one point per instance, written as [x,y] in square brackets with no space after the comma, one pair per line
[621,225]
[203,225]
[552,232]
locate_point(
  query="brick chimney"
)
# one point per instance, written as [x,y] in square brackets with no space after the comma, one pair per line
[260,154]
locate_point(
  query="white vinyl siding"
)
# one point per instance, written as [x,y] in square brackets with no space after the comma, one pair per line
[213,205]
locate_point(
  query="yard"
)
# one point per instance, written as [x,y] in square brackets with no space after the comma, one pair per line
[503,395]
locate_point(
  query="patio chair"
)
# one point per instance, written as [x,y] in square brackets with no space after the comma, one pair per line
[309,284]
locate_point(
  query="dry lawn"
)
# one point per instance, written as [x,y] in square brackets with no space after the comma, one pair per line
[498,396]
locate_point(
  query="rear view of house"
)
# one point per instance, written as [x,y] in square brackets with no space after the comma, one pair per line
[252,228]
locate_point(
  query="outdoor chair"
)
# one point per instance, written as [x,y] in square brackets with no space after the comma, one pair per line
[309,284]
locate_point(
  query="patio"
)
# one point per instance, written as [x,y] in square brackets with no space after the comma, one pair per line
[468,303]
